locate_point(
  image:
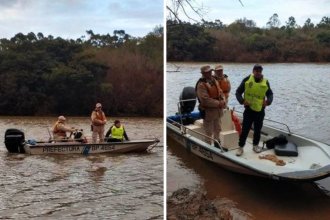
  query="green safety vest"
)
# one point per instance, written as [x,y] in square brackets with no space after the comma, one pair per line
[117,133]
[255,93]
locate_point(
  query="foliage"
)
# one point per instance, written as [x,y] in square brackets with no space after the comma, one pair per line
[51,76]
[189,42]
[242,41]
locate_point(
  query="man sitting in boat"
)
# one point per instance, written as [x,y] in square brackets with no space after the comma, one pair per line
[59,129]
[117,132]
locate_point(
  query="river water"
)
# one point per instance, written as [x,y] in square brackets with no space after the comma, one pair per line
[104,186]
[301,100]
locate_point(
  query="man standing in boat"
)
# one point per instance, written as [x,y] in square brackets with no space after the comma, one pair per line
[59,129]
[212,102]
[223,81]
[98,122]
[256,89]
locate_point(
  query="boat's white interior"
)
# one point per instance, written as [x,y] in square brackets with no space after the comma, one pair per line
[311,154]
[228,135]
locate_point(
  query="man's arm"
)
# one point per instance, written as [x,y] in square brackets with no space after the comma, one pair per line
[205,99]
[108,132]
[65,128]
[239,92]
[125,135]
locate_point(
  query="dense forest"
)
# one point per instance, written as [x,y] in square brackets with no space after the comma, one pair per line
[43,75]
[243,41]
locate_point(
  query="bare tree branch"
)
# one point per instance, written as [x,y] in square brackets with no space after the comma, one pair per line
[184,11]
[183,5]
[241,2]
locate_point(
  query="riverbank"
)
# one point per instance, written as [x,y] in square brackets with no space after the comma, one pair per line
[185,204]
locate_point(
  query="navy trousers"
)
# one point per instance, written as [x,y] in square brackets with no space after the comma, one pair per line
[251,117]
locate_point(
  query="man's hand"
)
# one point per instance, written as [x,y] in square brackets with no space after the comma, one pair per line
[264,104]
[222,104]
[245,103]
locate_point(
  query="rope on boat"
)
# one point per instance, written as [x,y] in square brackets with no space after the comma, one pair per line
[153,145]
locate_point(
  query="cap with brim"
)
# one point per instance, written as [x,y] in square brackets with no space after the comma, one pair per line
[257,67]
[218,67]
[206,69]
[61,118]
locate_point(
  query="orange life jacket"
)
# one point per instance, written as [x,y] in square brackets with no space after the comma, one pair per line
[237,123]
[57,131]
[98,116]
[213,90]
[224,85]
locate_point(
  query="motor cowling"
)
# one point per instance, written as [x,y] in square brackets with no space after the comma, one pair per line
[188,93]
[14,140]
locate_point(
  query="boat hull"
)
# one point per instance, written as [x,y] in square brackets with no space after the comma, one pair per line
[209,155]
[89,148]
[313,162]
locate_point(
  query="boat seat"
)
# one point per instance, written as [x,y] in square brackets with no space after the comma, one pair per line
[228,135]
[289,149]
[226,121]
[229,139]
[197,128]
[199,122]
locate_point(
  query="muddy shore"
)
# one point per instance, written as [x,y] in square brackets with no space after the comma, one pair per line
[184,204]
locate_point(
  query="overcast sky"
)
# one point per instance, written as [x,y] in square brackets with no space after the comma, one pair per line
[261,10]
[71,18]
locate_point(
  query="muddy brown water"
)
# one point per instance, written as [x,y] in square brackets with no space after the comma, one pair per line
[103,186]
[301,100]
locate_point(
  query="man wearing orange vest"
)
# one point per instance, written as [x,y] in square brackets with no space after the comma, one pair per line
[223,81]
[59,129]
[98,123]
[212,102]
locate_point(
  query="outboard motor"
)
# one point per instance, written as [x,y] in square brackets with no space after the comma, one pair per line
[187,107]
[14,140]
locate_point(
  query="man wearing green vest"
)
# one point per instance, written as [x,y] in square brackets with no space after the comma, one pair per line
[256,89]
[117,132]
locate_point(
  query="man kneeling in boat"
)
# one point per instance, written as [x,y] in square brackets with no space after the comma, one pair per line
[117,132]
[59,129]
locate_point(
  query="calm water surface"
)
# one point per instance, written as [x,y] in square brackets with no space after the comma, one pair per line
[105,186]
[301,100]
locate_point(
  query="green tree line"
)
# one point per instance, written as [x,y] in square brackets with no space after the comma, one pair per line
[43,75]
[243,41]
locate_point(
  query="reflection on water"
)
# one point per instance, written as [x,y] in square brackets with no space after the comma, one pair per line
[300,101]
[127,186]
